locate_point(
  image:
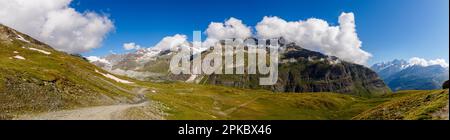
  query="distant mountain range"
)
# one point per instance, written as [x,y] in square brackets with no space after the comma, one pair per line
[39,82]
[300,70]
[402,75]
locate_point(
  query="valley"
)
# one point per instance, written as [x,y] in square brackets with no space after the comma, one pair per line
[407,75]
[39,82]
[182,101]
[187,101]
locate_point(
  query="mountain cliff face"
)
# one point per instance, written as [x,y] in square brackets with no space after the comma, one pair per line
[36,78]
[400,75]
[144,64]
[300,70]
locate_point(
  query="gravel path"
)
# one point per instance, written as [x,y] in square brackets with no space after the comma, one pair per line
[112,112]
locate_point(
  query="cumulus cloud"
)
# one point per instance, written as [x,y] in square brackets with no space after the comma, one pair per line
[56,23]
[425,63]
[232,28]
[316,34]
[131,46]
[171,42]
[97,59]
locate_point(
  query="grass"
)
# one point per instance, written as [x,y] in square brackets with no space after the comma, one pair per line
[206,102]
[409,105]
[42,83]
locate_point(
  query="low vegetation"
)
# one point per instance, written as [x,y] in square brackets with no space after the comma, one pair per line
[411,105]
[49,80]
[190,101]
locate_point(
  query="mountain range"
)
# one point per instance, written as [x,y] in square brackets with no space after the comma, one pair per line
[38,82]
[403,75]
[300,70]
[34,77]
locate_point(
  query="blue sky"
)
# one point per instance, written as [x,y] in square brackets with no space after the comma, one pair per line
[389,29]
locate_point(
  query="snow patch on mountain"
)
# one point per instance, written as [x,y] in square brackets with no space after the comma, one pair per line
[416,73]
[114,78]
[191,78]
[133,74]
[41,51]
[19,57]
[414,61]
[19,37]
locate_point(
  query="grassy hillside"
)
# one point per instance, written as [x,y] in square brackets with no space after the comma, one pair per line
[411,105]
[205,102]
[190,101]
[36,78]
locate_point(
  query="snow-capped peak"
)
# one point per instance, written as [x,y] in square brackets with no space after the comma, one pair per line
[415,61]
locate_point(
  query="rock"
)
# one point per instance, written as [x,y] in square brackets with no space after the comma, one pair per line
[311,72]
[445,85]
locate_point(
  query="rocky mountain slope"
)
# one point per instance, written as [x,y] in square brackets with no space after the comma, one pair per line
[300,70]
[387,69]
[38,82]
[36,78]
[144,64]
[401,75]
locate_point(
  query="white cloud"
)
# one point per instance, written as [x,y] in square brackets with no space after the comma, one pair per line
[167,43]
[131,46]
[56,23]
[232,28]
[171,42]
[425,63]
[316,34]
[97,59]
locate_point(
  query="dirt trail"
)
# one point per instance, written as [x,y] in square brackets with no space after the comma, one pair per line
[233,109]
[112,112]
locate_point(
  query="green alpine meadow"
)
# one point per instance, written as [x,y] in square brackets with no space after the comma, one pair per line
[225,68]
[39,82]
